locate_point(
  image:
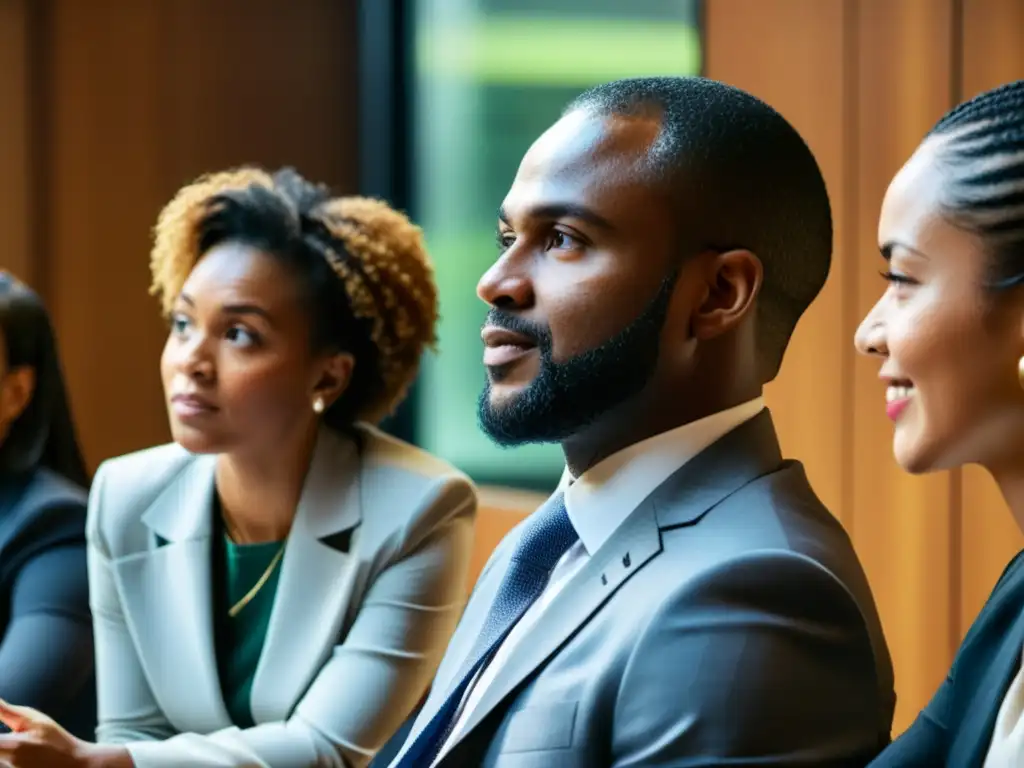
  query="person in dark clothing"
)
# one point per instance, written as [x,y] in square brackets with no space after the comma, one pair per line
[948,335]
[46,643]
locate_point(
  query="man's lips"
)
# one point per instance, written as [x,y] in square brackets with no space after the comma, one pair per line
[502,346]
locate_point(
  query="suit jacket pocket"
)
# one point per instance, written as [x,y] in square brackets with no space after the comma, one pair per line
[538,727]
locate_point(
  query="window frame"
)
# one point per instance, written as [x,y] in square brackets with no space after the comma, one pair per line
[387,168]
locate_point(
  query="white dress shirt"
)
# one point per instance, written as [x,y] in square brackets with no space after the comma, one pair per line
[598,502]
[1007,747]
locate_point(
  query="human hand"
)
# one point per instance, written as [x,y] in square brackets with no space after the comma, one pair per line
[37,741]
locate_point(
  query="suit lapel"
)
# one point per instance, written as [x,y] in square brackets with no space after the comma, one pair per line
[749,451]
[316,580]
[168,604]
[739,457]
[461,644]
[469,629]
[634,544]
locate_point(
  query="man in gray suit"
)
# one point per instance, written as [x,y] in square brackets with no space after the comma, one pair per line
[683,599]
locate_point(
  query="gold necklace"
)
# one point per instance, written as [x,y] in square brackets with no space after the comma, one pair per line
[247,598]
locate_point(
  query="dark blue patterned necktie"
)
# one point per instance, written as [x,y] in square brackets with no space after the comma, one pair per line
[546,536]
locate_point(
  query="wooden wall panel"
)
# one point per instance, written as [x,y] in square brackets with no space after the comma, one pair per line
[144,95]
[104,188]
[749,44]
[992,44]
[15,148]
[862,80]
[902,524]
[993,53]
[262,81]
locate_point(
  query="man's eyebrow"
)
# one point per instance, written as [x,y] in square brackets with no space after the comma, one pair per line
[552,211]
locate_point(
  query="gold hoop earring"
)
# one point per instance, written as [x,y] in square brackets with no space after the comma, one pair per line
[318,404]
[1020,372]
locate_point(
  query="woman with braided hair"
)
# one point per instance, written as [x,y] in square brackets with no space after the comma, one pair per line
[276,588]
[949,334]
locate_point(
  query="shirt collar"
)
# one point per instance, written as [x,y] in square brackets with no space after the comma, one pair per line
[604,496]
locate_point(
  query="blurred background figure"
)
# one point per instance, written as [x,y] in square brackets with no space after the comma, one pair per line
[46,646]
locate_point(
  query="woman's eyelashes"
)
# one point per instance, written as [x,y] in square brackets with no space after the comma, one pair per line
[898,278]
[236,334]
[179,324]
[241,336]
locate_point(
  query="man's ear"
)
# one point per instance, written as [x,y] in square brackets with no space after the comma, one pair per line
[733,283]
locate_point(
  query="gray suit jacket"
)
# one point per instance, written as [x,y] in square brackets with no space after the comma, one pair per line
[726,622]
[372,584]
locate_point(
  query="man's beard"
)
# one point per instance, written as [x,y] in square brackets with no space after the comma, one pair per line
[567,397]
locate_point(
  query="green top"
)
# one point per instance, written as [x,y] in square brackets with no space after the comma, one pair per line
[240,639]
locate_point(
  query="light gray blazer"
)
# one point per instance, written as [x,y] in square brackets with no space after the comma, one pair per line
[371,587]
[726,622]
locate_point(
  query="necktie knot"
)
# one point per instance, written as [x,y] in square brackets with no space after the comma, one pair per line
[546,535]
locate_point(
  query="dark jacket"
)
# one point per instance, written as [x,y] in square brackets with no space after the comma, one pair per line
[955,729]
[46,643]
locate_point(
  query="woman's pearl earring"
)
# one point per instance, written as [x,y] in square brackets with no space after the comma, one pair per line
[318,405]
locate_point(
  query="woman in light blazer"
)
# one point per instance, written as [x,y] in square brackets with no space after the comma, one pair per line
[278,586]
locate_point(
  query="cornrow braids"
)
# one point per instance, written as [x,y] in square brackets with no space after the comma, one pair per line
[982,152]
[368,280]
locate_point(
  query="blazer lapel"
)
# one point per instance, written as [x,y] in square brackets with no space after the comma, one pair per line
[317,576]
[744,454]
[168,604]
[1005,660]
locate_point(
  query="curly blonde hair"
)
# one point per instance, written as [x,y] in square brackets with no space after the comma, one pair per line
[376,258]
